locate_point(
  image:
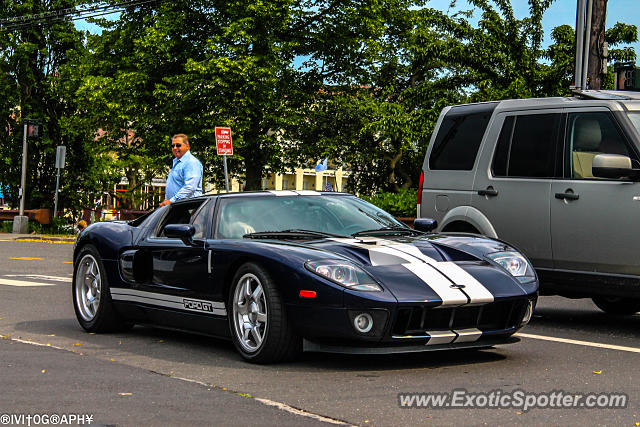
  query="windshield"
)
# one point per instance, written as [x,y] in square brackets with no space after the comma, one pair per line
[635,119]
[343,215]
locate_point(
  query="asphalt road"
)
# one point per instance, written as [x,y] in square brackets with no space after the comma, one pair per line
[158,377]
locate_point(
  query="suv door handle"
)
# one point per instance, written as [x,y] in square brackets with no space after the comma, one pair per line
[490,192]
[567,196]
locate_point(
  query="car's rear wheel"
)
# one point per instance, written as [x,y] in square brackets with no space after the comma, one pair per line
[91,296]
[259,325]
[617,305]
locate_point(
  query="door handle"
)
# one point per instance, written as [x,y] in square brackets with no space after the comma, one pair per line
[567,196]
[489,191]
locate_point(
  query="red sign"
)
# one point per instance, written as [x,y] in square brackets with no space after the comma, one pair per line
[223,142]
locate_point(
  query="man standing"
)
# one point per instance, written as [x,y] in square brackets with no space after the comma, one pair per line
[185,177]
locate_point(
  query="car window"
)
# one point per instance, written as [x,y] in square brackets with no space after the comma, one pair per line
[338,215]
[457,142]
[587,135]
[200,220]
[178,214]
[527,146]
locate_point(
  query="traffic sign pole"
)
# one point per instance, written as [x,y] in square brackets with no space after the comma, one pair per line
[226,174]
[60,155]
[23,179]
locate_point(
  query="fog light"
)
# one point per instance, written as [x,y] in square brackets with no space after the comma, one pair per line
[363,322]
[528,313]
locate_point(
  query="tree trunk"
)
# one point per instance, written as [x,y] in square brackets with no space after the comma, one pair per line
[595,76]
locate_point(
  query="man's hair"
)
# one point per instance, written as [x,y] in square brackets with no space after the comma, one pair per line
[182,136]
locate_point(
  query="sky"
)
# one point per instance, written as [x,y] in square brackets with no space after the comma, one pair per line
[561,12]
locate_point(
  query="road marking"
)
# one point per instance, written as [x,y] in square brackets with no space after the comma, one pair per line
[67,262]
[9,282]
[41,277]
[279,405]
[24,258]
[578,342]
[44,241]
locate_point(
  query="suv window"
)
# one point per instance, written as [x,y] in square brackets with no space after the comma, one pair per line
[589,134]
[527,146]
[457,142]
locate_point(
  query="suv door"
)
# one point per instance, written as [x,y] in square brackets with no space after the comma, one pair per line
[513,185]
[594,221]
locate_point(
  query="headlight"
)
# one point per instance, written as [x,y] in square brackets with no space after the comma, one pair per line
[515,264]
[344,273]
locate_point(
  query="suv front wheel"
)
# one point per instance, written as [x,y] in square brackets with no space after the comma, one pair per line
[617,305]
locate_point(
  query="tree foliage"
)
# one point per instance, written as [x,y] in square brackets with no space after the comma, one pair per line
[359,81]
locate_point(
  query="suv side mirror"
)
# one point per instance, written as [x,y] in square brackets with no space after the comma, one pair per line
[183,232]
[425,224]
[614,166]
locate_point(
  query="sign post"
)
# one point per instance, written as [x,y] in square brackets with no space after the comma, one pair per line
[224,147]
[60,154]
[31,130]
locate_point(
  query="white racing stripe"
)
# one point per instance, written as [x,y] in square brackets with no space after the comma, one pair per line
[440,277]
[169,301]
[283,193]
[468,335]
[477,293]
[441,337]
[475,290]
[439,283]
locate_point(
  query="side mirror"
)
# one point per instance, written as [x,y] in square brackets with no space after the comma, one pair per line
[425,224]
[613,166]
[183,232]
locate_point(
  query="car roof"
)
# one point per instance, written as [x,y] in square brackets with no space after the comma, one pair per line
[609,98]
[267,193]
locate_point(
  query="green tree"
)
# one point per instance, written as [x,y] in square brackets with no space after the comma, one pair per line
[30,60]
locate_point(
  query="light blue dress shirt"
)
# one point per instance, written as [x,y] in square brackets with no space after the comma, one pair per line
[185,178]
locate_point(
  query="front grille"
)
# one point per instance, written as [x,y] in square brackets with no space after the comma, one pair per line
[417,320]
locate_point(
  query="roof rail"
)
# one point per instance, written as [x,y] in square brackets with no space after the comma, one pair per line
[615,95]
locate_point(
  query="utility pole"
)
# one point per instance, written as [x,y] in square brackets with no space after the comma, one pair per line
[598,49]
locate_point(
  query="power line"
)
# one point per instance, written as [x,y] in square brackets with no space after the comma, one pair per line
[83,11]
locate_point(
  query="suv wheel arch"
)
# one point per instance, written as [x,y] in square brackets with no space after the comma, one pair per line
[466,218]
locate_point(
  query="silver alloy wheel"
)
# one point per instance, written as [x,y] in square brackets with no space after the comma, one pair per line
[250,312]
[88,287]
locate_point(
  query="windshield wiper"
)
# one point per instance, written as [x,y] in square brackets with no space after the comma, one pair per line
[385,231]
[294,233]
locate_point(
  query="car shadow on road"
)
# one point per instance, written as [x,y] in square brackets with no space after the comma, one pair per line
[180,347]
[580,319]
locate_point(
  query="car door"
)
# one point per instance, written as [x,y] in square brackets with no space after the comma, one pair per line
[178,268]
[512,189]
[594,221]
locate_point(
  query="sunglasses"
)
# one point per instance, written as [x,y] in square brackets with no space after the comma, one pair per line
[176,145]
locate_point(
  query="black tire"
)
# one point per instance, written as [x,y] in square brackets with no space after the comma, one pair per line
[100,315]
[617,305]
[260,313]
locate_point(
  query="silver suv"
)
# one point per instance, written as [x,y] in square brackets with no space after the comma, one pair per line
[557,177]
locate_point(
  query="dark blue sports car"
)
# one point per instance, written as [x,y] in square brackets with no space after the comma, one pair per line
[284,271]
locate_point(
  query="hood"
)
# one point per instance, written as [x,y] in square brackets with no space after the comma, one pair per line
[431,269]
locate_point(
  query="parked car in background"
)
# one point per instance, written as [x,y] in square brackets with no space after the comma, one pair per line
[284,271]
[558,178]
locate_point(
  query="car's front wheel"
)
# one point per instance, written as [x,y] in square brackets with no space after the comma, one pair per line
[617,305]
[91,296]
[258,321]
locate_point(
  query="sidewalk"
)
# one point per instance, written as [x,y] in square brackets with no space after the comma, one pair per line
[36,237]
